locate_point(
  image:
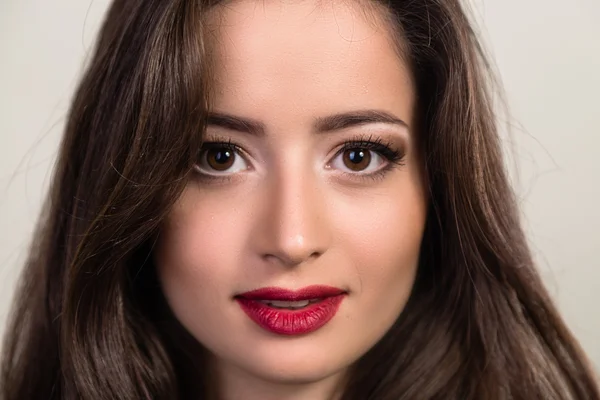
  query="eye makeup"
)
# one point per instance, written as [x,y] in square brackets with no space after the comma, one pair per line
[217,158]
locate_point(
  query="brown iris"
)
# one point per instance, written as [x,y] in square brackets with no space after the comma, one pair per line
[220,159]
[357,159]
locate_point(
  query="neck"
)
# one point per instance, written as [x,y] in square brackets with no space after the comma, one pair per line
[235,384]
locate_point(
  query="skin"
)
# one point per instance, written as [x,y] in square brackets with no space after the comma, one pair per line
[290,213]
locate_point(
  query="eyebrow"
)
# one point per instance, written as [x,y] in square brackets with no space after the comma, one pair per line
[330,123]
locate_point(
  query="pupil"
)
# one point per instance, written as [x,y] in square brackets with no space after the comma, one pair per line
[357,156]
[222,157]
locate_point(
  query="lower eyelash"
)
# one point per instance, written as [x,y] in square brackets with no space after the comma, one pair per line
[373,176]
[227,145]
[386,149]
[214,178]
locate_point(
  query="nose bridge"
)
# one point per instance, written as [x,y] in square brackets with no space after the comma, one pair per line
[294,228]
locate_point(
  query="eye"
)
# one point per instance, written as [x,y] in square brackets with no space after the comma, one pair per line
[358,160]
[218,159]
[365,157]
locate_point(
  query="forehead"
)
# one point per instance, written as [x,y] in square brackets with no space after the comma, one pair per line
[315,57]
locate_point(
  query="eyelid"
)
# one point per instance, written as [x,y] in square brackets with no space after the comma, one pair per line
[384,147]
[391,153]
[222,144]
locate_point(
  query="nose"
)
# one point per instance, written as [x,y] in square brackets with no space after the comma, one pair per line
[292,228]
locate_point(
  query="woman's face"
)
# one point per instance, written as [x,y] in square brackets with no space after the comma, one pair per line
[317,181]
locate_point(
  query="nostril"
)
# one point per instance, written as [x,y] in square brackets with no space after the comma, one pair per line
[291,259]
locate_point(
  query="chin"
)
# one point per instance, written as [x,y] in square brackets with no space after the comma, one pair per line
[293,360]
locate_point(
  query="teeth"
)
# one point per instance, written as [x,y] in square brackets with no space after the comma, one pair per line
[288,304]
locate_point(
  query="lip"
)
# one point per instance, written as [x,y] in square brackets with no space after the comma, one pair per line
[289,322]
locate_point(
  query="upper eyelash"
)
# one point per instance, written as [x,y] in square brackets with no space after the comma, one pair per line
[229,145]
[377,144]
[387,149]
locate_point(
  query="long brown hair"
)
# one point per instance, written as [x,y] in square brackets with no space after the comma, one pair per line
[90,321]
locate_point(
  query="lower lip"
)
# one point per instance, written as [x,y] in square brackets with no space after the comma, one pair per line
[292,322]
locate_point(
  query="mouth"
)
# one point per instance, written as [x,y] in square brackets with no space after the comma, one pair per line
[290,305]
[286,312]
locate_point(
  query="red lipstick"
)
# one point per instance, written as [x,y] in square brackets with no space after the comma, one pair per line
[287,312]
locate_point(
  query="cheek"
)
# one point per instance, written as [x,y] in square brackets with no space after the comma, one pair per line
[383,239]
[196,254]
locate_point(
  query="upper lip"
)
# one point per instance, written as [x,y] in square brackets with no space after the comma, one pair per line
[306,293]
